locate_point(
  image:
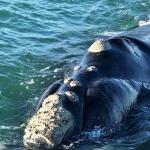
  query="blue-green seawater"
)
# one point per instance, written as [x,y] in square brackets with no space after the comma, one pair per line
[40,40]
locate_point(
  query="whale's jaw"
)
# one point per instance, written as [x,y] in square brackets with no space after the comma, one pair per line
[49,125]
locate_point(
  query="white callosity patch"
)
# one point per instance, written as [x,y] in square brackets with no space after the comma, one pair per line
[48,126]
[72,96]
[76,68]
[74,83]
[70,81]
[91,68]
[67,80]
[96,47]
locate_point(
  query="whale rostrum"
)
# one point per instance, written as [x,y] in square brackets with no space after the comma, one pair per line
[47,125]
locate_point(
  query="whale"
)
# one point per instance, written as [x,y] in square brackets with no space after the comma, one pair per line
[99,91]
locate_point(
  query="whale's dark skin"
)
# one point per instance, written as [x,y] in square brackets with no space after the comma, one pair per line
[107,91]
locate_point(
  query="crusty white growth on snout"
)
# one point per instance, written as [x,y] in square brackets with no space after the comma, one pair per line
[49,125]
[96,47]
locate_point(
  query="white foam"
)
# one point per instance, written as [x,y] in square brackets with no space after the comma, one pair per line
[46,68]
[144,22]
[94,134]
[30,82]
[11,127]
[27,82]
[111,33]
[57,70]
[2,146]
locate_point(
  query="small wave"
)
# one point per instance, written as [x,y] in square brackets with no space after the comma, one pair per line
[10,127]
[111,33]
[27,82]
[44,69]
[57,70]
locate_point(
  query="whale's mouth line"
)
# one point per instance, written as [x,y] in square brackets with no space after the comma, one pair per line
[84,115]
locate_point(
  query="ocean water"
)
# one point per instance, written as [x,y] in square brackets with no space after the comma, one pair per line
[39,41]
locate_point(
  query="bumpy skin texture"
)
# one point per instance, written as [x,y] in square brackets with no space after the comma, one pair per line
[100,91]
[49,125]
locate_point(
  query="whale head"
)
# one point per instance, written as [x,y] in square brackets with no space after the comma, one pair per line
[57,119]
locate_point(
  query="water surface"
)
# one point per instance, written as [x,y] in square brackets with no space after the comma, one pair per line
[39,40]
